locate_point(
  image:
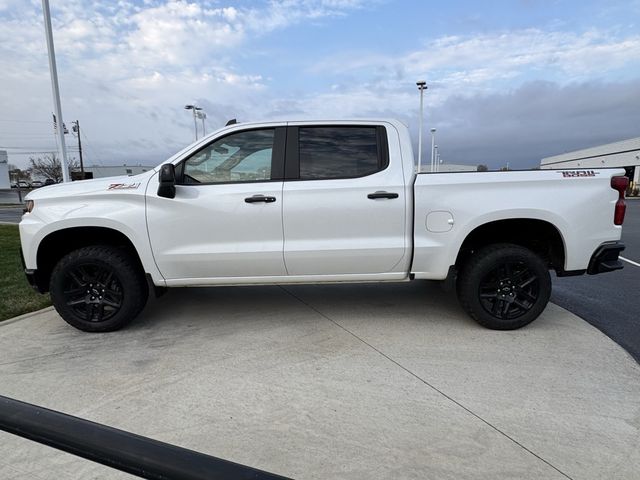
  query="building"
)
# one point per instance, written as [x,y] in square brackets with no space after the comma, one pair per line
[452,167]
[5,181]
[100,171]
[624,154]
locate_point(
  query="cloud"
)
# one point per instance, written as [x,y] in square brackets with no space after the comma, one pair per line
[486,62]
[538,119]
[127,68]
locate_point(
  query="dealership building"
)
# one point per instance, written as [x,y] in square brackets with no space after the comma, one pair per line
[624,154]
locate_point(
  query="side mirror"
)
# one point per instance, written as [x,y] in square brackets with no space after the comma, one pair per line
[167,178]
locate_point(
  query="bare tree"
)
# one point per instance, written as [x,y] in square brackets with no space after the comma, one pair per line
[49,166]
[482,168]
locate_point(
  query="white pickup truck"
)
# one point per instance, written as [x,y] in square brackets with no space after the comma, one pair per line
[312,202]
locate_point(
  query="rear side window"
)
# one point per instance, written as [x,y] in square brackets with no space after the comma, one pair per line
[339,152]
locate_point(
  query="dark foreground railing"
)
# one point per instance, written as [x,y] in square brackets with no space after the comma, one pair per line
[117,449]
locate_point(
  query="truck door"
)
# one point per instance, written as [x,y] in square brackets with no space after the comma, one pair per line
[344,204]
[226,217]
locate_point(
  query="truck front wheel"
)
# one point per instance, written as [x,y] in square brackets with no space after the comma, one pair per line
[504,286]
[98,288]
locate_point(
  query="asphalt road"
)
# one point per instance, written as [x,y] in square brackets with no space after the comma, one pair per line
[11,196]
[610,301]
[10,214]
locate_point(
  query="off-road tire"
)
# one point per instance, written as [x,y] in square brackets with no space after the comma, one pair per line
[99,288]
[504,286]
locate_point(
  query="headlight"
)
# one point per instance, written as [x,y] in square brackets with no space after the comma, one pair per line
[28,206]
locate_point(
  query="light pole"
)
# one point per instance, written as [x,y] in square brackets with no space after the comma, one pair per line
[194,109]
[202,116]
[57,107]
[435,157]
[422,86]
[433,144]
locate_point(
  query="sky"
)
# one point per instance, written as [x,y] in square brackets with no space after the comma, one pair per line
[508,81]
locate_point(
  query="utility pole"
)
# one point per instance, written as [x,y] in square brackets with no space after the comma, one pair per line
[422,86]
[62,148]
[76,128]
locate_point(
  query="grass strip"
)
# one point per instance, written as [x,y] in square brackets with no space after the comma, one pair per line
[16,295]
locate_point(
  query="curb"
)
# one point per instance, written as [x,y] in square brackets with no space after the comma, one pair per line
[25,316]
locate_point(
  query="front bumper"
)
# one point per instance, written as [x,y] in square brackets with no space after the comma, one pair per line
[31,274]
[605,258]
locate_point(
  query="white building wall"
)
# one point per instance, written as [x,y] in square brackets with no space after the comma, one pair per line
[618,154]
[5,181]
[115,171]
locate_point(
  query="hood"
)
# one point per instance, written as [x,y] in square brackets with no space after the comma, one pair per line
[92,187]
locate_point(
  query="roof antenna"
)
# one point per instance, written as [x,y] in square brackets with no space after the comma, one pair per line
[233,121]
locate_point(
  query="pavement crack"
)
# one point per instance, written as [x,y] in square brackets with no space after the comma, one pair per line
[431,386]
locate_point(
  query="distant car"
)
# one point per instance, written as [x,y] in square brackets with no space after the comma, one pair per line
[14,184]
[49,181]
[37,184]
[23,184]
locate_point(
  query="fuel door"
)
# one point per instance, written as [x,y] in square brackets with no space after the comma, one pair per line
[439,221]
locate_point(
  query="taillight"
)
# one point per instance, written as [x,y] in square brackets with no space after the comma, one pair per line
[620,184]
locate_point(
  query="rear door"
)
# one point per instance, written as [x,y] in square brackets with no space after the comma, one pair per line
[344,204]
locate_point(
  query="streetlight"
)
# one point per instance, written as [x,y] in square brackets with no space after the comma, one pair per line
[57,108]
[433,144]
[435,156]
[194,109]
[422,86]
[202,116]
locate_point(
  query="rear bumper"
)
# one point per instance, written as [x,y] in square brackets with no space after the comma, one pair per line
[605,258]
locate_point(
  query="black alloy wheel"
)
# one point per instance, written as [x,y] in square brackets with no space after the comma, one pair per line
[93,291]
[98,288]
[509,291]
[504,286]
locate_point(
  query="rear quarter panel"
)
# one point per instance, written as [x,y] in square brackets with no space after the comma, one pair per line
[581,208]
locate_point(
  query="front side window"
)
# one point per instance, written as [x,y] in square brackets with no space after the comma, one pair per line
[239,157]
[337,152]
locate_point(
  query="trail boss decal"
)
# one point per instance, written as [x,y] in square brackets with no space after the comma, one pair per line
[123,186]
[579,173]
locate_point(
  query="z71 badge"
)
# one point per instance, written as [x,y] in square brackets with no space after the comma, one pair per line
[579,173]
[123,186]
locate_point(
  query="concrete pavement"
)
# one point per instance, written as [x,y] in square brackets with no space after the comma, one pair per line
[316,382]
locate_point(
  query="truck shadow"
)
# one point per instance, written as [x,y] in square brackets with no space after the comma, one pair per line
[419,301]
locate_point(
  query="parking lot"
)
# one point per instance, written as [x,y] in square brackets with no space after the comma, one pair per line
[610,302]
[360,381]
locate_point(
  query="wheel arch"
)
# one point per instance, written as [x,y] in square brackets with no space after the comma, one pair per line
[58,243]
[540,236]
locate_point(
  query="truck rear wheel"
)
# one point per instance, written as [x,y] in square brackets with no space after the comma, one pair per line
[98,288]
[504,286]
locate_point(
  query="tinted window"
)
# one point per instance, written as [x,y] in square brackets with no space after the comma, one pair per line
[239,157]
[337,152]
